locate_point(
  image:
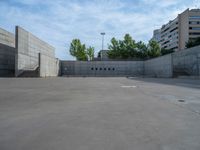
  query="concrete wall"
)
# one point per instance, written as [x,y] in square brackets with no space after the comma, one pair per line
[181,63]
[159,67]
[187,62]
[32,54]
[102,68]
[28,48]
[7,38]
[49,66]
[7,53]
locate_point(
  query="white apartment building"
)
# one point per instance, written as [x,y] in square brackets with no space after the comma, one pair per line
[176,33]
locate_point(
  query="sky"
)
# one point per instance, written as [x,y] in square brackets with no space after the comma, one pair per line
[59,21]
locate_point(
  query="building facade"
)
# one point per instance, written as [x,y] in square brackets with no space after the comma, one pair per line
[176,33]
[157,35]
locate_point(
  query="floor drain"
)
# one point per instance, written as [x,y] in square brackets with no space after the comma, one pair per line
[181,100]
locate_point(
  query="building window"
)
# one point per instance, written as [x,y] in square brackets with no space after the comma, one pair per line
[113,69]
[92,68]
[194,28]
[194,17]
[194,33]
[96,68]
[100,69]
[108,68]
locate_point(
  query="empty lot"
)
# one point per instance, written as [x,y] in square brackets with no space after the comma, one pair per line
[99,114]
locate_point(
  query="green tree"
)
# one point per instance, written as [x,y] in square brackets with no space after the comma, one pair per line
[142,50]
[192,43]
[78,50]
[90,53]
[128,47]
[114,49]
[153,49]
[166,51]
[122,49]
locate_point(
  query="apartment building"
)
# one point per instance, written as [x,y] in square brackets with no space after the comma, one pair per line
[157,35]
[176,33]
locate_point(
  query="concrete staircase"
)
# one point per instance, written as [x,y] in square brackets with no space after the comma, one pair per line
[30,72]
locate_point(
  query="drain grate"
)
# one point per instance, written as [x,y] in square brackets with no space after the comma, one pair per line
[181,100]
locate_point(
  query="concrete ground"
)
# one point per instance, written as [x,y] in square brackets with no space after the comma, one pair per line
[99,114]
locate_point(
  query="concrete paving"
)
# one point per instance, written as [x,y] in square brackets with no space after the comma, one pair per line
[99,114]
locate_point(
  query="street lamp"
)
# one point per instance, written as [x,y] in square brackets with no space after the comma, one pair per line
[103,33]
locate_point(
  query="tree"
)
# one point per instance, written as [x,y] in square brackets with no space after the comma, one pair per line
[122,49]
[90,53]
[114,50]
[78,50]
[166,51]
[192,43]
[128,47]
[153,49]
[142,50]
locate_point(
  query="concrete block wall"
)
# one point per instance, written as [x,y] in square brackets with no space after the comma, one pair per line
[7,38]
[187,62]
[7,53]
[49,66]
[159,67]
[28,48]
[102,68]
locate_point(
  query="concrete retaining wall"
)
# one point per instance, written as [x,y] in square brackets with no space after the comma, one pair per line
[26,54]
[7,53]
[181,63]
[7,38]
[159,67]
[49,66]
[187,62]
[102,68]
[28,48]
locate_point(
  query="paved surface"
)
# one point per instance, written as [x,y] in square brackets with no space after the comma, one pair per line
[99,114]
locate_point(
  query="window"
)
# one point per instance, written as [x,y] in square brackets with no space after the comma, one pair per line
[113,69]
[92,68]
[96,68]
[194,17]
[174,29]
[193,22]
[100,69]
[194,33]
[108,68]
[104,68]
[194,28]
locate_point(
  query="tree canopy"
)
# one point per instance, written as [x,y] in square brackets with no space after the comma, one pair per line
[79,50]
[127,48]
[130,49]
[192,43]
[90,53]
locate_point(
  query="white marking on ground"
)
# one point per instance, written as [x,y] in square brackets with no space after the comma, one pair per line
[128,86]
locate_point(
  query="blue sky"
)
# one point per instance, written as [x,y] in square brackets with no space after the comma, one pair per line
[59,21]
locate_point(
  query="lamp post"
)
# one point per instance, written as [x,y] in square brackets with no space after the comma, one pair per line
[103,33]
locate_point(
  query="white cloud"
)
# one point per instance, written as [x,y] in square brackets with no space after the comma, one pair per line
[58,22]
